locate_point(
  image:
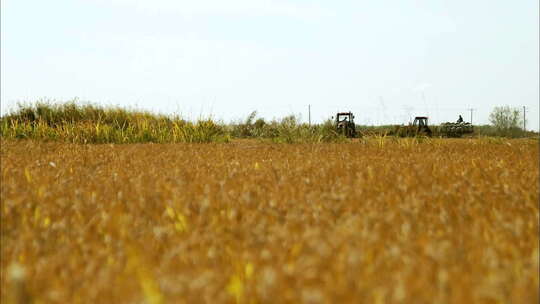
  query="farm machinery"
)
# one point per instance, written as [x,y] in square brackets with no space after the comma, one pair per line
[345,125]
[448,129]
[419,127]
[455,129]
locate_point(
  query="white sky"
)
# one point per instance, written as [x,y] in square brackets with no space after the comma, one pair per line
[384,60]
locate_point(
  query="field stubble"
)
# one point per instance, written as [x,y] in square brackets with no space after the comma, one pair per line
[374,221]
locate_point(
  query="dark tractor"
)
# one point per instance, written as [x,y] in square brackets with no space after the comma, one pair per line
[419,127]
[345,124]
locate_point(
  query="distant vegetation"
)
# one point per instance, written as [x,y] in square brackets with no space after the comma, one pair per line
[285,130]
[87,123]
[489,130]
[479,131]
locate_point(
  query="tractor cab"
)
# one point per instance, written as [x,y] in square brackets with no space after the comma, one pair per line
[344,117]
[420,121]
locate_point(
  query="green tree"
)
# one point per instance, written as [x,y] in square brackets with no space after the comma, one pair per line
[507,120]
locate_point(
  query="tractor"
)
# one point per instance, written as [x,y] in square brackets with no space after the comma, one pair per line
[418,128]
[344,124]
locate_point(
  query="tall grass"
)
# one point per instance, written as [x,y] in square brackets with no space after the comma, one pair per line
[394,220]
[87,123]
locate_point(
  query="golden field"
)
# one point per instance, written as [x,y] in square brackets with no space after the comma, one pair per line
[377,220]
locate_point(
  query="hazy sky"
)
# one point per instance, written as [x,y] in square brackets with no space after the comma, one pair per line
[385,60]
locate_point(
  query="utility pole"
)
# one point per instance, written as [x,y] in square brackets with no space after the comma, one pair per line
[524,121]
[471,110]
[309,114]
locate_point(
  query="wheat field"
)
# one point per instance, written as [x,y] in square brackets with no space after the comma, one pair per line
[378,220]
